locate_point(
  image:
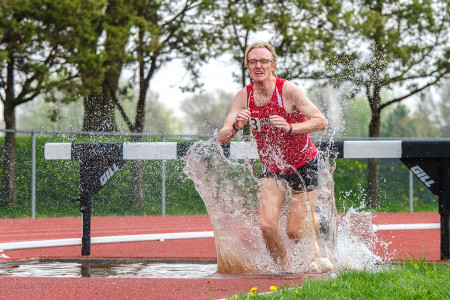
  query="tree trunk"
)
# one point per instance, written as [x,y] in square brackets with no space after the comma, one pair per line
[9,192]
[373,198]
[137,198]
[99,113]
[137,183]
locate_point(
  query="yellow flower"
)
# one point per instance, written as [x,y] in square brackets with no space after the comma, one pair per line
[273,288]
[253,289]
[296,291]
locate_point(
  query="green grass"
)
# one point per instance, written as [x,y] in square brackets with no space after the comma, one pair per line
[58,181]
[408,280]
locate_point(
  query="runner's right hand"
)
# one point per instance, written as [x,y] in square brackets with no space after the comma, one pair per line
[242,118]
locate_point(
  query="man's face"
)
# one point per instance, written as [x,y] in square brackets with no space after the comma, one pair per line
[260,65]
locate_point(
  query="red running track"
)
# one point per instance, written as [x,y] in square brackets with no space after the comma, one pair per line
[404,244]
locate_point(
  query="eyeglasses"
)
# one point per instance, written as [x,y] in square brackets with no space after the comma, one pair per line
[253,62]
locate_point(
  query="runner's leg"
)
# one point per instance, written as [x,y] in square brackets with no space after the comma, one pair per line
[271,197]
[296,227]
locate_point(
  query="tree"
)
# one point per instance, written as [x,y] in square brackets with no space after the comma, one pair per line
[207,112]
[32,62]
[100,59]
[159,119]
[380,45]
[407,42]
[162,31]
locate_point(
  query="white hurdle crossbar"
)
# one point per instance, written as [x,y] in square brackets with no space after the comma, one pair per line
[238,150]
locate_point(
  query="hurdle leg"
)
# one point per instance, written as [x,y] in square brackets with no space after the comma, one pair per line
[86,209]
[444,209]
[445,237]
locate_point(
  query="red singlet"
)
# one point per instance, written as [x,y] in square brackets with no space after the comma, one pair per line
[278,151]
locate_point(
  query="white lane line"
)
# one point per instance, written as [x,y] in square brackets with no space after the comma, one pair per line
[422,226]
[172,236]
[107,239]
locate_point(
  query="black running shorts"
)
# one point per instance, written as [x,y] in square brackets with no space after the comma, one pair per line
[305,178]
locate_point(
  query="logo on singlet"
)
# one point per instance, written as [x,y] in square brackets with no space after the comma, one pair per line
[256,123]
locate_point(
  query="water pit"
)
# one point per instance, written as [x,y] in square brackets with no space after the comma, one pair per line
[133,268]
[112,268]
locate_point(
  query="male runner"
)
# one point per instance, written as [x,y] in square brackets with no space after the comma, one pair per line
[281,117]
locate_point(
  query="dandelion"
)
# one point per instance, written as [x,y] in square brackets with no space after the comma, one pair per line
[296,291]
[253,289]
[273,288]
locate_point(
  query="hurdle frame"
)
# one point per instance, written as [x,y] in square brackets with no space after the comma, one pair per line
[429,160]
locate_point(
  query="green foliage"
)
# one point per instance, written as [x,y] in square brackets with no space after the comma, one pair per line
[40,35]
[380,45]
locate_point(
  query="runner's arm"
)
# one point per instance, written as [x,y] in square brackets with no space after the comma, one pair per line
[238,116]
[315,120]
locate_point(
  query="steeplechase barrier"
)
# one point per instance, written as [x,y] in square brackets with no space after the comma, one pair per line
[429,160]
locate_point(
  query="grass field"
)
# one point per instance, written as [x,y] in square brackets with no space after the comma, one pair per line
[408,280]
[57,182]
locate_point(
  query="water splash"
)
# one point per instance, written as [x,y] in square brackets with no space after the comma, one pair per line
[229,191]
[356,242]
